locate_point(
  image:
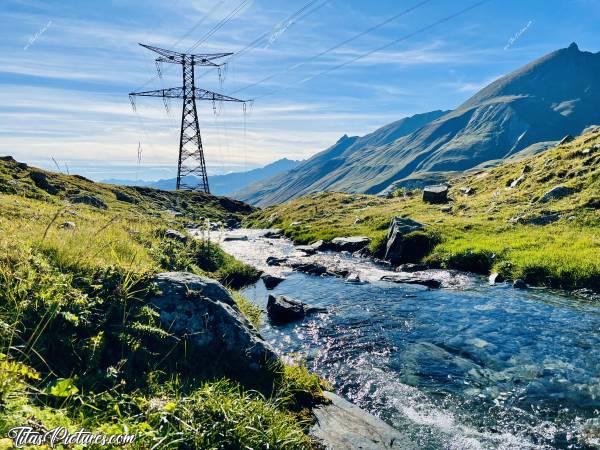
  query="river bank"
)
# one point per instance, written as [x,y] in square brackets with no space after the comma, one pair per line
[536,219]
[465,366]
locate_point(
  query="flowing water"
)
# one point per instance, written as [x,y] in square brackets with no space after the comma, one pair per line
[469,366]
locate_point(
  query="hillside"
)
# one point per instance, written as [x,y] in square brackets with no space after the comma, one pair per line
[543,101]
[220,184]
[101,294]
[502,219]
[330,166]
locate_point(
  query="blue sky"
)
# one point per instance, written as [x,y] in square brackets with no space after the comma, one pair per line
[66,67]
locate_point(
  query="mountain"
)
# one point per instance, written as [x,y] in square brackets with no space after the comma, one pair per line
[545,100]
[220,184]
[328,167]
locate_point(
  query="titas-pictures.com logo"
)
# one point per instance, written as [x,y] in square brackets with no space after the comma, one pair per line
[28,436]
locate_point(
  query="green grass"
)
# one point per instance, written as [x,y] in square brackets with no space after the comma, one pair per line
[478,234]
[78,343]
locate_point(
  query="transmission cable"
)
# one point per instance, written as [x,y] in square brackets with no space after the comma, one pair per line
[383,47]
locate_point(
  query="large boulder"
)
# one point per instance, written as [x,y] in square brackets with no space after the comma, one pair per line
[349,244]
[282,310]
[556,193]
[176,235]
[436,193]
[214,338]
[429,282]
[340,425]
[395,250]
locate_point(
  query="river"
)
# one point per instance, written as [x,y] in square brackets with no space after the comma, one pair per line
[468,366]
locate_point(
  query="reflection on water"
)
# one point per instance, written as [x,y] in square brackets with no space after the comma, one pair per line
[477,367]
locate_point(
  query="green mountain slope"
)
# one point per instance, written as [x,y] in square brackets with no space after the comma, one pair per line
[547,99]
[506,223]
[330,166]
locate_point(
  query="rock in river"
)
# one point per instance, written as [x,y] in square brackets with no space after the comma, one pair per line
[340,425]
[310,268]
[214,338]
[274,261]
[349,244]
[271,281]
[409,279]
[283,310]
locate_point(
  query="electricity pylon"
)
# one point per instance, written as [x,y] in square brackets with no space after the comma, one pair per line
[191,154]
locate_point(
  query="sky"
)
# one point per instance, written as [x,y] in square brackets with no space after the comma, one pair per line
[315,70]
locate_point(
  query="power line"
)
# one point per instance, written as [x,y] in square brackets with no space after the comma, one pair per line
[335,47]
[383,47]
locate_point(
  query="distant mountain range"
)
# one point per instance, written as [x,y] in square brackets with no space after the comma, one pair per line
[219,184]
[556,95]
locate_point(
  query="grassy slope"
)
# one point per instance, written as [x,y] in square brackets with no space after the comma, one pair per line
[478,233]
[71,309]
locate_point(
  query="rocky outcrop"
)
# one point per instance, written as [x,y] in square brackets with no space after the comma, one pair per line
[271,281]
[235,238]
[340,425]
[349,244]
[42,181]
[411,267]
[437,193]
[87,199]
[176,235]
[282,310]
[556,193]
[397,231]
[214,338]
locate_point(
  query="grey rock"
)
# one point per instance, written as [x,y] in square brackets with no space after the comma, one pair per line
[42,181]
[341,425]
[88,199]
[271,281]
[399,227]
[542,219]
[556,193]
[67,226]
[436,193]
[408,279]
[282,310]
[273,261]
[275,233]
[467,190]
[306,249]
[310,268]
[295,224]
[410,267]
[519,284]
[123,197]
[235,238]
[349,244]
[216,339]
[176,235]
[495,278]
[446,209]
[353,278]
[319,245]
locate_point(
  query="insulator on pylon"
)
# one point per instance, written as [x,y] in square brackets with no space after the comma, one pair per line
[158,69]
[132,101]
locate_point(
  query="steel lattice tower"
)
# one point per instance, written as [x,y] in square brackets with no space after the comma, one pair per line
[191,154]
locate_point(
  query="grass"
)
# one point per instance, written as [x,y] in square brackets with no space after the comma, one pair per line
[486,231]
[78,343]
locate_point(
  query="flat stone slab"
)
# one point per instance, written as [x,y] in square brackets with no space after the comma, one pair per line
[344,426]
